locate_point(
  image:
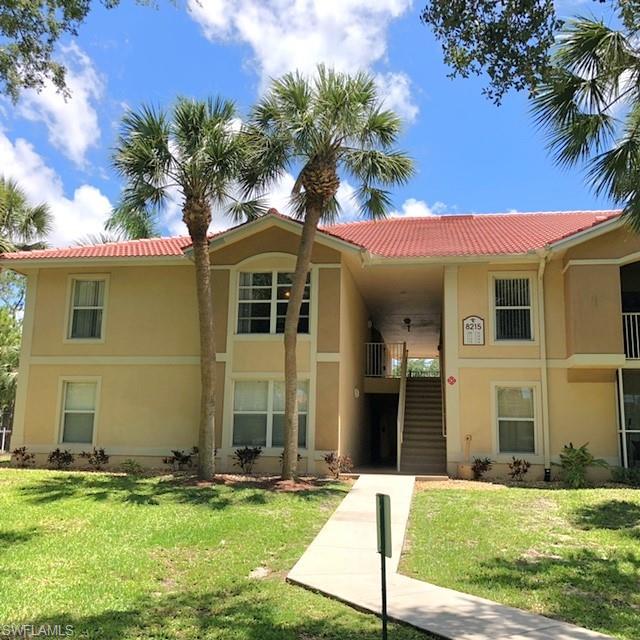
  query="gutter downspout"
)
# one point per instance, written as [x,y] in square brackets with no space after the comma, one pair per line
[546,439]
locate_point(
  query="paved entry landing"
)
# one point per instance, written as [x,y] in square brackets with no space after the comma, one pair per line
[342,562]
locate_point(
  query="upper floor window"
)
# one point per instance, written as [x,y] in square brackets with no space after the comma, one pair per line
[87,309]
[516,420]
[78,412]
[262,302]
[512,304]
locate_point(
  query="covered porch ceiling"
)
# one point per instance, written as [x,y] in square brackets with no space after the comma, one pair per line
[395,293]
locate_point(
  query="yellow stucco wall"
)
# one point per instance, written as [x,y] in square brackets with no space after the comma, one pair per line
[150,311]
[593,292]
[354,435]
[474,298]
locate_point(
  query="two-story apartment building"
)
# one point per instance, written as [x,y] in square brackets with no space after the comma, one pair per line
[534,317]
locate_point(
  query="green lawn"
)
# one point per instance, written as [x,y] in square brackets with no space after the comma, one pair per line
[119,557]
[571,555]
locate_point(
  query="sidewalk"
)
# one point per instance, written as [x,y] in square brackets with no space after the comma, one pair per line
[342,562]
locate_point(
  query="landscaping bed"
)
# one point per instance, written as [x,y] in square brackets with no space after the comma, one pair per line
[119,557]
[568,554]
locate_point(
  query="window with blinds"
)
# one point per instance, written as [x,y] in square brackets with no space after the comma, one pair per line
[512,304]
[78,412]
[87,309]
[516,420]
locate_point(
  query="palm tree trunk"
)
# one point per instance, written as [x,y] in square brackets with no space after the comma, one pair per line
[206,434]
[290,454]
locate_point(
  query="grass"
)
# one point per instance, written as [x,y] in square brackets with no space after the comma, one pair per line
[573,555]
[120,557]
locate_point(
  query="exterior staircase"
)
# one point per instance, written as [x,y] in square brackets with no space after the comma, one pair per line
[423,445]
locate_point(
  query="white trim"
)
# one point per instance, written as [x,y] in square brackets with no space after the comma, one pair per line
[120,360]
[66,263]
[372,259]
[62,382]
[326,356]
[586,262]
[235,234]
[601,360]
[72,278]
[587,234]
[538,455]
[533,295]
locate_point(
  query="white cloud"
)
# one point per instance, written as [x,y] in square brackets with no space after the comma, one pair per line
[395,90]
[412,208]
[74,217]
[285,35]
[72,123]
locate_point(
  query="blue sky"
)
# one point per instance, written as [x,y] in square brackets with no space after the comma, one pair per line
[471,156]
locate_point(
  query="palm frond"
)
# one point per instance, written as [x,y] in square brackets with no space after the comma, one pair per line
[373,166]
[375,203]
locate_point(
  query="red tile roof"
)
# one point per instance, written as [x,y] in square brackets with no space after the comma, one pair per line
[467,235]
[153,247]
[433,236]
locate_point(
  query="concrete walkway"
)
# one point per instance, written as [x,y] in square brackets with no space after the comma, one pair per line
[342,562]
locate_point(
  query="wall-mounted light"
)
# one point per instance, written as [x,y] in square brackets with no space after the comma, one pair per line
[407,323]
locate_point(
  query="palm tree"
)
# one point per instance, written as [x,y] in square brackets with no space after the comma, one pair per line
[23,226]
[320,128]
[590,107]
[196,152]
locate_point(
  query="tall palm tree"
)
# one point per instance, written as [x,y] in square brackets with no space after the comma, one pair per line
[196,152]
[590,108]
[22,226]
[322,128]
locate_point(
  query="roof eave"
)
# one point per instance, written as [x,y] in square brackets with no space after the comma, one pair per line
[105,261]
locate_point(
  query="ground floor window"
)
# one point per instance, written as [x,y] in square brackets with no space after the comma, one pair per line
[78,412]
[630,428]
[258,413]
[516,420]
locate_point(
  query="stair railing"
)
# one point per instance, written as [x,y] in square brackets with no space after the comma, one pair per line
[402,394]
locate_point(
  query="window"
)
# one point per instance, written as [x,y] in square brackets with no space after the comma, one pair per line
[516,421]
[512,302]
[87,309]
[262,302]
[258,413]
[78,412]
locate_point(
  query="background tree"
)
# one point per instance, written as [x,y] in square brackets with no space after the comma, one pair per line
[22,226]
[10,340]
[196,152]
[590,108]
[320,128]
[509,41]
[29,33]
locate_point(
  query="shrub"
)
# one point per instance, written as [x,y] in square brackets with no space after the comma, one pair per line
[246,457]
[627,476]
[518,468]
[338,464]
[181,459]
[60,459]
[131,467]
[480,466]
[575,461]
[96,458]
[22,457]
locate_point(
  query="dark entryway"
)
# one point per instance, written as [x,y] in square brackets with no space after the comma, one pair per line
[383,412]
